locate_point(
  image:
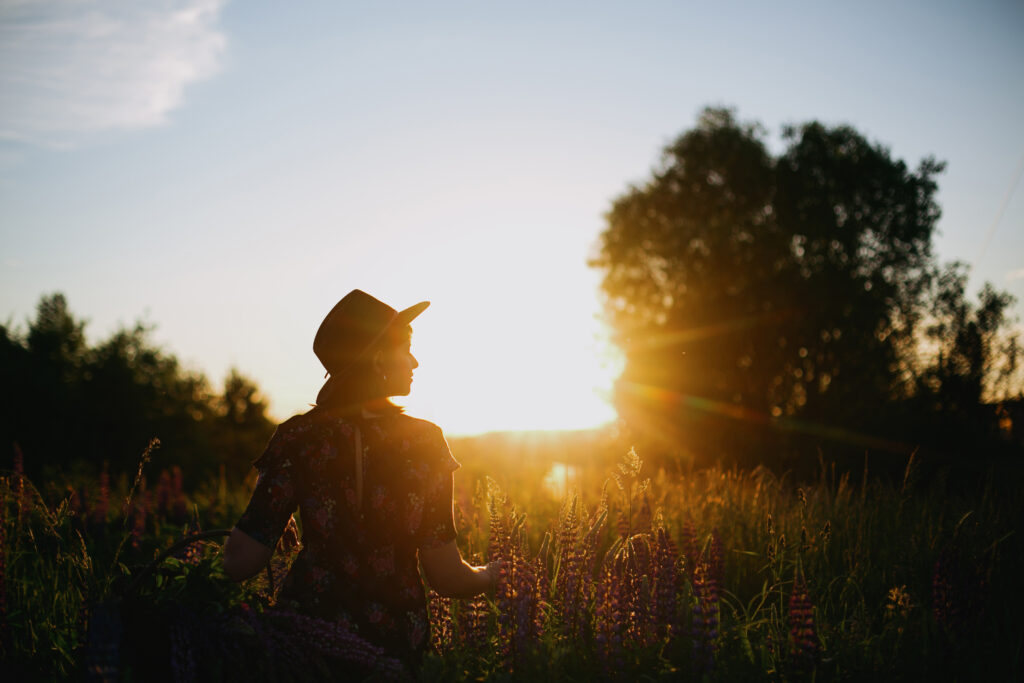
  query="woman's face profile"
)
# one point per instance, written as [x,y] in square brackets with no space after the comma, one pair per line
[397,364]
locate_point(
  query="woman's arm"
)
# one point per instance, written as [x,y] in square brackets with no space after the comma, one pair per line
[244,556]
[452,577]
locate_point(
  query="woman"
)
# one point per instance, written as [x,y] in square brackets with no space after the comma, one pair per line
[373,487]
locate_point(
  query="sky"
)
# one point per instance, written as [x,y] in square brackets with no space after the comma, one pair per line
[226,171]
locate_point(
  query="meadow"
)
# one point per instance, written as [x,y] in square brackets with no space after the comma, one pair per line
[614,569]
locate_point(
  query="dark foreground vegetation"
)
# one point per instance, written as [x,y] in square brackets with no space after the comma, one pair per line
[626,574]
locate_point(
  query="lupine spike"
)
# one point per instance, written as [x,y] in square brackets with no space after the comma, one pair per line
[102,500]
[801,624]
[705,619]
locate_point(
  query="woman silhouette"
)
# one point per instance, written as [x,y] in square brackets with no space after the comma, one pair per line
[373,487]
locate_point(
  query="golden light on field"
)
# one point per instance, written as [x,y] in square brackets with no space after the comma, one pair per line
[559,479]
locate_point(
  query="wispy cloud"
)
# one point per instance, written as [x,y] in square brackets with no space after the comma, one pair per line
[69,68]
[1015,275]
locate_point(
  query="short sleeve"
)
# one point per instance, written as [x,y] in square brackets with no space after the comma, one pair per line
[273,500]
[438,526]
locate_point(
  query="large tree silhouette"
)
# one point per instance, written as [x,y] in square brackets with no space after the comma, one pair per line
[761,296]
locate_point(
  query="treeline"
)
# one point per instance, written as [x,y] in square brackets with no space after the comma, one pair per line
[68,405]
[774,306]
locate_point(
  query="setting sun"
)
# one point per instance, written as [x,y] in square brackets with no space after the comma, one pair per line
[551,369]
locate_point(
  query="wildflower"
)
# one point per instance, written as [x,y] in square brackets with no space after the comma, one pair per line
[610,616]
[705,619]
[540,571]
[801,624]
[688,546]
[664,574]
[524,606]
[898,604]
[472,623]
[139,513]
[101,503]
[19,482]
[898,601]
[441,631]
[179,507]
[163,493]
[716,561]
[571,572]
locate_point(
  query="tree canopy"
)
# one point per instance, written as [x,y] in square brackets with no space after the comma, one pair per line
[762,297]
[66,402]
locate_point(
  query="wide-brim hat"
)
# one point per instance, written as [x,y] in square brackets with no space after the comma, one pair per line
[352,328]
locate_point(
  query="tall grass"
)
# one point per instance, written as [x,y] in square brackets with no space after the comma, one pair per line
[704,575]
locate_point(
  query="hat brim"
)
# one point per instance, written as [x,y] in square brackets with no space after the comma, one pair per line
[403,317]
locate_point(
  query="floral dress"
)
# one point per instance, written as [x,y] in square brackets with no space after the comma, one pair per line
[358,562]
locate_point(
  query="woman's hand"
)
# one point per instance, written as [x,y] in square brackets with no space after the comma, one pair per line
[493,569]
[244,556]
[449,575]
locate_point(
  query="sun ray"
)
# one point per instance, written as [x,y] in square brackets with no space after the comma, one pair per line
[677,400]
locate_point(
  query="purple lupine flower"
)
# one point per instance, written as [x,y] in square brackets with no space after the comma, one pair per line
[705,620]
[101,503]
[540,571]
[590,542]
[472,623]
[635,577]
[524,605]
[665,585]
[163,494]
[688,546]
[20,496]
[570,570]
[801,624]
[716,561]
[179,506]
[439,610]
[500,547]
[139,513]
[610,619]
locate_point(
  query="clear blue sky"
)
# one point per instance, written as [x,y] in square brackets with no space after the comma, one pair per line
[228,170]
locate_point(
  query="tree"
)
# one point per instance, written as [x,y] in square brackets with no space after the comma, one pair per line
[244,426]
[759,297]
[66,402]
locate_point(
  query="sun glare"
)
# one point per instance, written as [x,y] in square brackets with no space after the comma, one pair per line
[485,375]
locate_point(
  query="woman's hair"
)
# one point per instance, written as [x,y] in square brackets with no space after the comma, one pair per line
[362,383]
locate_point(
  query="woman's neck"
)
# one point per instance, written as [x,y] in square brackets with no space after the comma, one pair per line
[378,407]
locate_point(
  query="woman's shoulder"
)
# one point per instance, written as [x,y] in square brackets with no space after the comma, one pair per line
[314,423]
[299,433]
[408,427]
[422,440]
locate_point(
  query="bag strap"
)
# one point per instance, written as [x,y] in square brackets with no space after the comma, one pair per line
[359,468]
